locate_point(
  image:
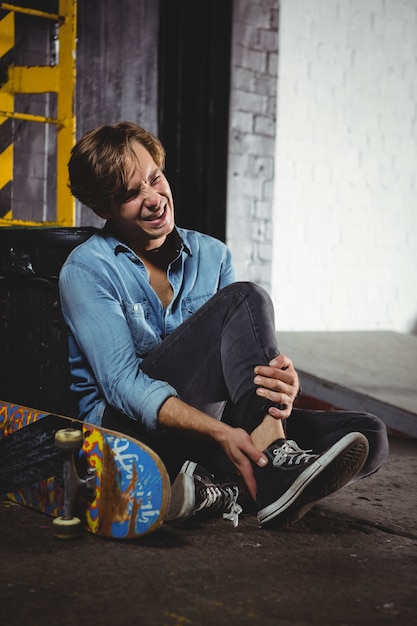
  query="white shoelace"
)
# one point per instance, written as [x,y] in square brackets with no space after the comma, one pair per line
[212,495]
[291,454]
[234,509]
[233,514]
[225,497]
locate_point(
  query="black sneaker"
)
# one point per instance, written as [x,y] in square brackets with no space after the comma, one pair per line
[194,493]
[294,479]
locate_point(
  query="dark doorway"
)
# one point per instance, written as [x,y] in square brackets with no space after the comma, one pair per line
[194,87]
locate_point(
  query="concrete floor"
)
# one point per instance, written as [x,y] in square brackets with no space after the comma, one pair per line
[351,561]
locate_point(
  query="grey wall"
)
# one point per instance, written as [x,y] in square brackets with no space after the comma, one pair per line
[122,85]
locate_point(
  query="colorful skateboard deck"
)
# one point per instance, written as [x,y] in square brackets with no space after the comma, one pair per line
[124,488]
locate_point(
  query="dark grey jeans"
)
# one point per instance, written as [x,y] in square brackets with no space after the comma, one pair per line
[209,360]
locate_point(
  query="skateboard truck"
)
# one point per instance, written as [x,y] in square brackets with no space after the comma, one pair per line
[70,441]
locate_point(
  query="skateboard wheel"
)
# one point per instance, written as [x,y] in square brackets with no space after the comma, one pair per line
[66,528]
[68,439]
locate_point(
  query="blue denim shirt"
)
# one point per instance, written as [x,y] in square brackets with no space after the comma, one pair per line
[115,317]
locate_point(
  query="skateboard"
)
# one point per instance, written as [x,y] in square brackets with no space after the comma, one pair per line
[85,476]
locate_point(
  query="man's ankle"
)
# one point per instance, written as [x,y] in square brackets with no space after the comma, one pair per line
[269,431]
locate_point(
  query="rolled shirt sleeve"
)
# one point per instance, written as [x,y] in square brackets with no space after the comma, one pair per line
[102,351]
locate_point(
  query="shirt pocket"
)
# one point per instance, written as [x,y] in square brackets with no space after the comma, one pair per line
[191,304]
[142,327]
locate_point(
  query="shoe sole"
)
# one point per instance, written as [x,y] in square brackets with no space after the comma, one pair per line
[331,471]
[182,494]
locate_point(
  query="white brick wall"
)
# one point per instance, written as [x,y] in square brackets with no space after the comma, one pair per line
[345,207]
[252,138]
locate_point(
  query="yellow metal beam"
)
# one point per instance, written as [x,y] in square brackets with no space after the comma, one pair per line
[7,33]
[34,79]
[28,117]
[34,12]
[6,166]
[6,105]
[7,220]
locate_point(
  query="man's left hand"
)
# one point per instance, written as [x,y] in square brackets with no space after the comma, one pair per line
[278,382]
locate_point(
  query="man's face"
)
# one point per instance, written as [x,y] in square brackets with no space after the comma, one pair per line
[146,215]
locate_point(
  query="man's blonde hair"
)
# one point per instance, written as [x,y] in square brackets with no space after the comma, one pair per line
[102,161]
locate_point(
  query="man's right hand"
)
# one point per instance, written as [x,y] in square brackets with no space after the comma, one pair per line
[238,446]
[236,442]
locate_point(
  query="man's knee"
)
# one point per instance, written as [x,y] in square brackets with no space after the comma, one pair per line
[249,291]
[247,288]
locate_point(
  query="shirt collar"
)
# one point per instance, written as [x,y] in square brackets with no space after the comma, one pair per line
[178,235]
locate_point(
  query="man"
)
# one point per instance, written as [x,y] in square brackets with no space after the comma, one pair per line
[165,345]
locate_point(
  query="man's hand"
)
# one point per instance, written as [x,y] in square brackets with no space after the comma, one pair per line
[236,442]
[279,383]
[238,446]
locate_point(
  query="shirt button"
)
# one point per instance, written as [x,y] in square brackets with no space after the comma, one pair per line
[135,307]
